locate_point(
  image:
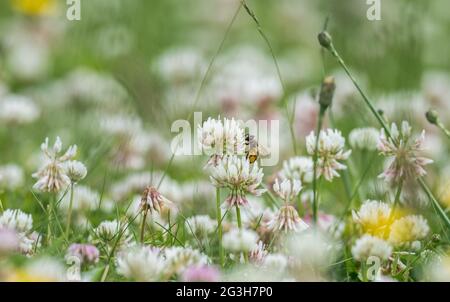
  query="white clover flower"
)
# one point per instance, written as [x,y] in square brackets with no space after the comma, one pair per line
[16,220]
[84,200]
[287,220]
[22,224]
[402,150]
[408,230]
[239,176]
[11,176]
[201,225]
[239,240]
[52,176]
[217,138]
[299,167]
[17,109]
[179,258]
[374,217]
[108,232]
[140,263]
[75,170]
[364,138]
[288,189]
[330,151]
[370,246]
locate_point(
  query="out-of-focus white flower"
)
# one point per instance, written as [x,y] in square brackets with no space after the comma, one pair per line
[299,167]
[408,229]
[179,258]
[330,151]
[201,225]
[11,176]
[88,254]
[364,138]
[239,240]
[404,161]
[287,220]
[108,232]
[275,262]
[22,224]
[140,263]
[75,170]
[239,176]
[374,217]
[9,241]
[217,138]
[16,220]
[258,253]
[439,269]
[311,252]
[52,177]
[28,60]
[17,109]
[84,200]
[45,270]
[288,189]
[370,246]
[180,65]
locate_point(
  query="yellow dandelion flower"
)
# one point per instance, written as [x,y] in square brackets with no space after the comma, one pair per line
[34,7]
[23,276]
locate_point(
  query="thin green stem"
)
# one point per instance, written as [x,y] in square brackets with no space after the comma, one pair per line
[144,218]
[444,130]
[434,202]
[239,222]
[315,159]
[69,214]
[277,67]
[219,226]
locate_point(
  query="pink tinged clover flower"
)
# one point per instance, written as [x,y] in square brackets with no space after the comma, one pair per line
[240,177]
[330,151]
[287,220]
[87,253]
[202,273]
[402,151]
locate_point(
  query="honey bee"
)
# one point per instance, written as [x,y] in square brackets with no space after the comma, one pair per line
[253,149]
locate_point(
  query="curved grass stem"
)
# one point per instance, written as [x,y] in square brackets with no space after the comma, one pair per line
[219,226]
[315,159]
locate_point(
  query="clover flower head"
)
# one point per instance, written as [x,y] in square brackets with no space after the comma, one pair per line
[299,167]
[87,253]
[52,176]
[217,138]
[240,240]
[364,138]
[287,220]
[370,246]
[239,176]
[154,201]
[288,189]
[404,161]
[408,230]
[330,150]
[374,217]
[140,263]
